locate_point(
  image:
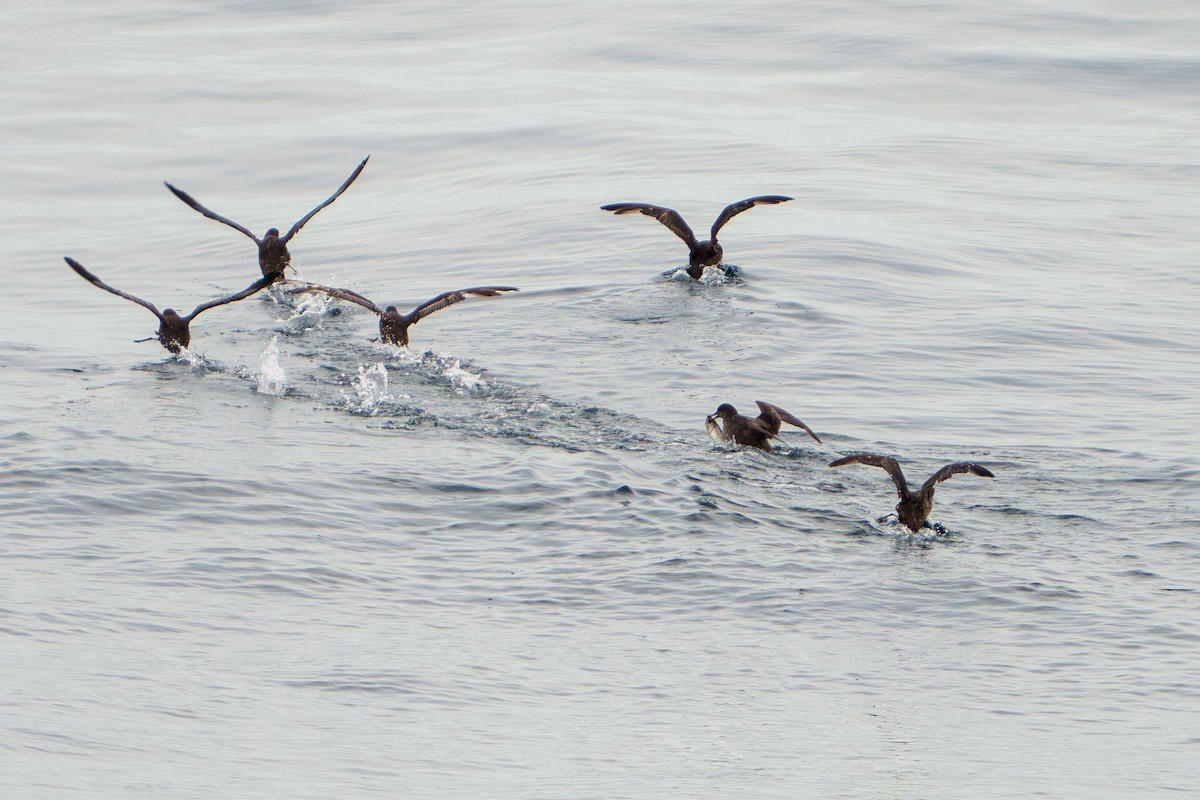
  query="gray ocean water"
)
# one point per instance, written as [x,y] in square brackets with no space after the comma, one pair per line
[508,562]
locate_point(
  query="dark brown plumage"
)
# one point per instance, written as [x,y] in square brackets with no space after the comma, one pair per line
[273,255]
[173,332]
[393,326]
[702,254]
[914,507]
[752,431]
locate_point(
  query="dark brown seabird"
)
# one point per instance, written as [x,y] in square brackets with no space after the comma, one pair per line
[273,255]
[703,254]
[752,431]
[393,326]
[173,331]
[914,507]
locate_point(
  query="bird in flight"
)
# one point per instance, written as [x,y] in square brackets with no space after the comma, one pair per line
[273,255]
[173,332]
[914,507]
[702,254]
[393,326]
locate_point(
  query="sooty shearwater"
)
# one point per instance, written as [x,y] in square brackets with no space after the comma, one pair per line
[914,507]
[173,330]
[393,326]
[752,431]
[273,255]
[703,254]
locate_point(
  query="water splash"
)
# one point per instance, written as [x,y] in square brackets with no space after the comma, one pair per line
[463,378]
[371,390]
[402,356]
[271,378]
[719,275]
[890,526]
[194,361]
[448,369]
[308,312]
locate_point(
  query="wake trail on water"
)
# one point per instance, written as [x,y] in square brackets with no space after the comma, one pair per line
[407,391]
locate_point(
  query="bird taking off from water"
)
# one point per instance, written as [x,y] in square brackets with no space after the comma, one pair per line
[752,431]
[914,507]
[703,254]
[273,255]
[173,331]
[393,326]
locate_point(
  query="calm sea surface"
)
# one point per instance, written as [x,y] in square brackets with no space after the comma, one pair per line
[508,562]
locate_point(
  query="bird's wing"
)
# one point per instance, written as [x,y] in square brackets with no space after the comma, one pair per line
[733,209]
[296,228]
[191,201]
[253,288]
[875,460]
[758,423]
[446,299]
[86,275]
[342,294]
[769,408]
[953,469]
[666,216]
